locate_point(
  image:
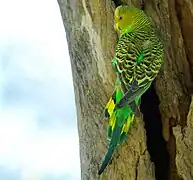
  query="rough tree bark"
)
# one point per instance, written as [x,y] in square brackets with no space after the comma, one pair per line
[91,41]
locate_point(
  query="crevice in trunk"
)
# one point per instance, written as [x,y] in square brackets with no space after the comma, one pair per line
[156,144]
[117,2]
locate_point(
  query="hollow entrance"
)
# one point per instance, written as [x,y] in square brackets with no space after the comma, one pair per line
[117,2]
[155,142]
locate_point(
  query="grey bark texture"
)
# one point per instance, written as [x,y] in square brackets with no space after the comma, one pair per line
[91,41]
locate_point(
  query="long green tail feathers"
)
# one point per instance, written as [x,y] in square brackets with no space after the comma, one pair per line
[112,146]
[119,122]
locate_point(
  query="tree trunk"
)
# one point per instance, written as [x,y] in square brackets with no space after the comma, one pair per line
[159,145]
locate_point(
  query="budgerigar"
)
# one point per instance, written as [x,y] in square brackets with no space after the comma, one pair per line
[138,59]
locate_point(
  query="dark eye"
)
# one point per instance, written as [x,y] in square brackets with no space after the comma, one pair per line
[120,17]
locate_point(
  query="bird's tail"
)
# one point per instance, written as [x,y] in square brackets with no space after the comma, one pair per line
[120,122]
[113,143]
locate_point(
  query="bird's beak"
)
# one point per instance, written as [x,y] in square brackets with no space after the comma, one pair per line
[116,27]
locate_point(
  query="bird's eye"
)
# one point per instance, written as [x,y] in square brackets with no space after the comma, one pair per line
[120,17]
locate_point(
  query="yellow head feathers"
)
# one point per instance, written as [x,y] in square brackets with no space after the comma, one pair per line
[128,18]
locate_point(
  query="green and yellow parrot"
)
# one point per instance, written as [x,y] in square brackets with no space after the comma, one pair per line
[138,59]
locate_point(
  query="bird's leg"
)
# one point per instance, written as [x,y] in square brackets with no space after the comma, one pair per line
[114,64]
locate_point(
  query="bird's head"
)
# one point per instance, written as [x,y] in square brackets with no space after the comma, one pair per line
[126,18]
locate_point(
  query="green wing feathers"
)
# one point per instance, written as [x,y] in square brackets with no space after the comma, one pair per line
[139,66]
